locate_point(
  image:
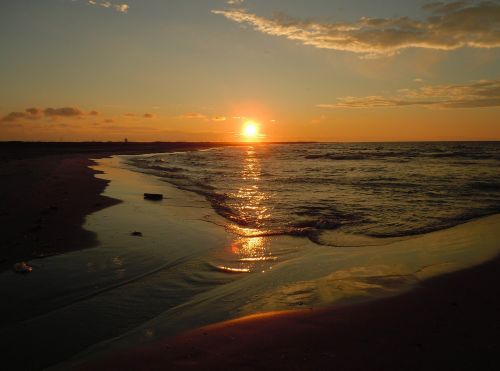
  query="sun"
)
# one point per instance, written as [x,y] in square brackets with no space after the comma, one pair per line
[250,130]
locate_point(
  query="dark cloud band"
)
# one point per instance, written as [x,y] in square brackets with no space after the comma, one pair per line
[37,113]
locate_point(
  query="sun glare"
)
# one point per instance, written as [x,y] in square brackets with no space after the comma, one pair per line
[250,130]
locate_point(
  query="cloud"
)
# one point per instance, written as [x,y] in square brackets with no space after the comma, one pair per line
[484,93]
[219,118]
[137,116]
[29,113]
[63,112]
[122,8]
[201,117]
[449,26]
[193,116]
[33,113]
[235,2]
[119,7]
[13,116]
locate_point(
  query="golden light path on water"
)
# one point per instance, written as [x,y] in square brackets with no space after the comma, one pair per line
[249,248]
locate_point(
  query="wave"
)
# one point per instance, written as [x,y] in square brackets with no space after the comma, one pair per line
[230,270]
[400,156]
[485,186]
[439,225]
[403,194]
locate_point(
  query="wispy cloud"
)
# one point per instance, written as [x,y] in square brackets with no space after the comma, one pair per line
[193,116]
[484,93]
[235,2]
[201,117]
[119,7]
[219,118]
[449,26]
[146,115]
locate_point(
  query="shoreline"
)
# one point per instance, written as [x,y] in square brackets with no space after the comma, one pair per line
[51,188]
[255,332]
[283,324]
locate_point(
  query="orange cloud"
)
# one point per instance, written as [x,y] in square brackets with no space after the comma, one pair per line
[219,118]
[484,93]
[193,116]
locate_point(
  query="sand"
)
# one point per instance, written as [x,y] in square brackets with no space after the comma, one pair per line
[47,189]
[451,322]
[43,202]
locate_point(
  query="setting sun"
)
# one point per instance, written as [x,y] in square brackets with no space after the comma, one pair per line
[250,130]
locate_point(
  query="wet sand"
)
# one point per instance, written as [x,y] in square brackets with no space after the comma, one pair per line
[47,189]
[451,322]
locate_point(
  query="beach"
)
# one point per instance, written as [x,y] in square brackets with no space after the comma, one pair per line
[144,303]
[448,323]
[48,190]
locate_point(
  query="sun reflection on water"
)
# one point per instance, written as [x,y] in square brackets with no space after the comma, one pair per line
[249,249]
[248,254]
[250,199]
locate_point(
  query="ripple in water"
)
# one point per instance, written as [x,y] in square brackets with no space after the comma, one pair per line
[374,190]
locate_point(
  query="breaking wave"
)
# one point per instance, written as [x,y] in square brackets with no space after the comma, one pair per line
[374,190]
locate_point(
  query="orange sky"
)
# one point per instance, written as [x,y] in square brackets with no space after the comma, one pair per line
[198,71]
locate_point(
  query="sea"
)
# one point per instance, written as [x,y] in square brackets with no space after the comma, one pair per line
[376,190]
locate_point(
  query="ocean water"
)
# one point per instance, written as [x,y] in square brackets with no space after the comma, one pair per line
[336,193]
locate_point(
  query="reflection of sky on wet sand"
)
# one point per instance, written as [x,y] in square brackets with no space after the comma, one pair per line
[247,254]
[114,264]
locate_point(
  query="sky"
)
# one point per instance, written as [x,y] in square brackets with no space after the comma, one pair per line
[199,70]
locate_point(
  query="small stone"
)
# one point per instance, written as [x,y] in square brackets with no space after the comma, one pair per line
[153,196]
[136,234]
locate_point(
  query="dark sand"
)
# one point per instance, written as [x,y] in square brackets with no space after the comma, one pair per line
[449,323]
[43,205]
[47,189]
